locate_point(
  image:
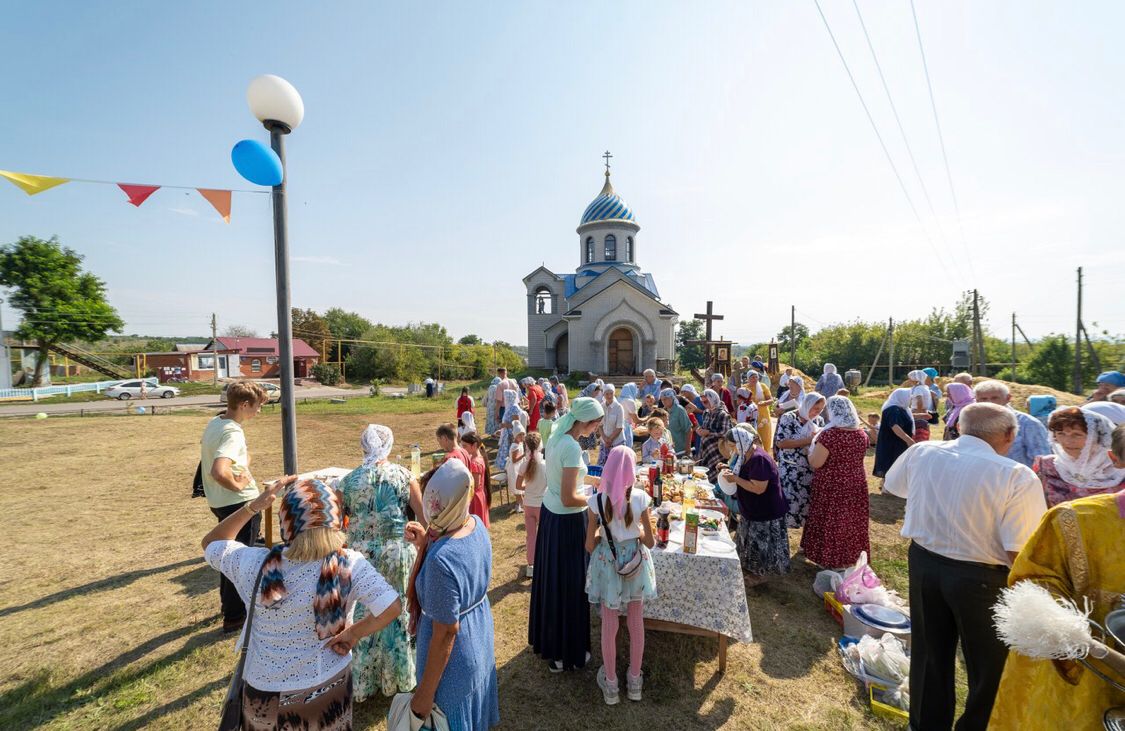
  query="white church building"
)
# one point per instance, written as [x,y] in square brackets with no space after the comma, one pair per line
[606,317]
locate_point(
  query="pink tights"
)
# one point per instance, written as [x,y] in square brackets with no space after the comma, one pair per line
[636,623]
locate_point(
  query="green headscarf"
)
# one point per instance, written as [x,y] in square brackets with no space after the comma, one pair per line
[581,409]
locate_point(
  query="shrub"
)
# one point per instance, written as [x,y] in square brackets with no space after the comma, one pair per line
[328,374]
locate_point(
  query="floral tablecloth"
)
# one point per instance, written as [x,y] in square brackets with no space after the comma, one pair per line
[704,589]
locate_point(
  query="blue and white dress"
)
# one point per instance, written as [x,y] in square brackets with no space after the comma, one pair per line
[603,584]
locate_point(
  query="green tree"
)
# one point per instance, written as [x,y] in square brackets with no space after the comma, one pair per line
[310,327]
[470,340]
[1052,363]
[346,325]
[690,356]
[58,300]
[786,336]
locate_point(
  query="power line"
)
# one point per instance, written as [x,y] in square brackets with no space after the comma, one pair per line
[878,135]
[941,140]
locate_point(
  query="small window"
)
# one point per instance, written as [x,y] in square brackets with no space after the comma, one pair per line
[589,249]
[542,301]
[206,362]
[629,249]
[256,366]
[611,248]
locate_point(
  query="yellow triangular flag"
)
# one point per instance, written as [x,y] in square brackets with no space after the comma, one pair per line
[32,184]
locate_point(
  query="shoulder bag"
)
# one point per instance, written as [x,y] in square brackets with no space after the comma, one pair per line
[401,718]
[231,717]
[630,568]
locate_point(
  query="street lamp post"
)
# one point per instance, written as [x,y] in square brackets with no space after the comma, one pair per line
[279,108]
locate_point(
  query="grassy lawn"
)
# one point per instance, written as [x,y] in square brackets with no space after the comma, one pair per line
[116,624]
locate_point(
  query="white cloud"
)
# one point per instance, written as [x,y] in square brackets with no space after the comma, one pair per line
[330,260]
[184,211]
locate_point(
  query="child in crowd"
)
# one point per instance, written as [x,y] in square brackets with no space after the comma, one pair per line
[657,444]
[747,411]
[481,500]
[516,453]
[465,402]
[550,413]
[659,413]
[621,515]
[531,481]
[872,428]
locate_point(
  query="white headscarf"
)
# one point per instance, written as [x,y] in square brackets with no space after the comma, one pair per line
[788,396]
[783,381]
[688,388]
[469,422]
[918,377]
[829,368]
[710,396]
[744,437]
[899,397]
[517,429]
[376,441]
[1093,467]
[841,412]
[759,394]
[511,398]
[609,388]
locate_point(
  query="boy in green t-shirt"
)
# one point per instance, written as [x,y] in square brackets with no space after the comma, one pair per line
[548,421]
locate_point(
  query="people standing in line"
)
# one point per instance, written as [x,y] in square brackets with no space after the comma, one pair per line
[679,425]
[446,435]
[535,397]
[449,606]
[516,454]
[715,422]
[958,397]
[481,502]
[753,479]
[1107,383]
[1079,465]
[532,480]
[620,515]
[559,624]
[512,414]
[227,482]
[505,384]
[838,524]
[969,511]
[829,382]
[297,672]
[376,497]
[896,427]
[921,405]
[935,392]
[795,433]
[1078,554]
[613,425]
[1032,439]
[467,423]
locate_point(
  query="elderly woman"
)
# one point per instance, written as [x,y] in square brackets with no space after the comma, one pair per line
[679,424]
[512,414]
[790,399]
[896,429]
[301,600]
[837,527]
[829,382]
[376,496]
[1080,465]
[715,423]
[763,542]
[958,396]
[449,605]
[795,432]
[760,394]
[628,399]
[558,628]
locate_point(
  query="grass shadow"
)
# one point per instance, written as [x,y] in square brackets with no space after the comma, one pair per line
[887,509]
[179,704]
[198,581]
[106,584]
[790,649]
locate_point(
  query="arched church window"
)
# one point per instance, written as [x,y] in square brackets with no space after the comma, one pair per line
[629,249]
[589,249]
[611,248]
[542,301]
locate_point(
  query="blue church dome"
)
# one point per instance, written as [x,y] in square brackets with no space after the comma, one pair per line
[608,206]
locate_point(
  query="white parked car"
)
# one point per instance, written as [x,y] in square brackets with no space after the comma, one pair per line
[132,389]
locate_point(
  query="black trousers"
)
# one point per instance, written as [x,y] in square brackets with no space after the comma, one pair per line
[949,601]
[233,608]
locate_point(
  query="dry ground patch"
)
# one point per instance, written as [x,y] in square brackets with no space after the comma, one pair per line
[109,617]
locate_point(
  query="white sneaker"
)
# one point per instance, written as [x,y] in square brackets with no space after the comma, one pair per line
[530,571]
[633,686]
[519,508]
[609,688]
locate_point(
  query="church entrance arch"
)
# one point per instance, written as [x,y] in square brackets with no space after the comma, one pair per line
[562,354]
[621,352]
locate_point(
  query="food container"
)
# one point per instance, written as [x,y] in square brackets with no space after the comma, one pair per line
[876,620]
[834,608]
[699,473]
[685,466]
[882,708]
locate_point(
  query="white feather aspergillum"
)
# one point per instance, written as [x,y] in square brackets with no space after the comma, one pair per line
[1035,623]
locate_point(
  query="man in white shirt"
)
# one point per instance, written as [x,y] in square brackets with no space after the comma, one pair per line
[613,425]
[506,384]
[969,511]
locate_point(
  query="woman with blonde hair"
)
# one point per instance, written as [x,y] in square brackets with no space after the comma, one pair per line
[298,652]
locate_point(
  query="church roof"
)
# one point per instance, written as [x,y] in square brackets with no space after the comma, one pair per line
[608,206]
[641,280]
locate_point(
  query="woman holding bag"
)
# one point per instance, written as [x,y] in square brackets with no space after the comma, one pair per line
[299,649]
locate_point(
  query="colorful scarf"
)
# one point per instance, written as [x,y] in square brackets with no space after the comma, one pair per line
[312,504]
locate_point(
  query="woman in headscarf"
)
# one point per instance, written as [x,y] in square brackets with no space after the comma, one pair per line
[829,382]
[377,496]
[921,405]
[896,427]
[492,407]
[795,432]
[958,397]
[468,424]
[837,527]
[791,398]
[1080,466]
[762,397]
[512,413]
[558,628]
[300,649]
[535,398]
[628,399]
[715,422]
[763,541]
[449,605]
[562,398]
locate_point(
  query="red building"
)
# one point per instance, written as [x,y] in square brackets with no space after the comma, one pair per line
[259,358]
[189,363]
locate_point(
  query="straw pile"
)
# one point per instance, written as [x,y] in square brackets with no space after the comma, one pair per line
[1020,392]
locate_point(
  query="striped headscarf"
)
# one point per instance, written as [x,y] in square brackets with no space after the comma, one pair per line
[312,504]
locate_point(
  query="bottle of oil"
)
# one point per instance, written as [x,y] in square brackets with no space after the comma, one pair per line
[416,461]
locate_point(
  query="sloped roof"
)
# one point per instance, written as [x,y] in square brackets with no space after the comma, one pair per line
[266,347]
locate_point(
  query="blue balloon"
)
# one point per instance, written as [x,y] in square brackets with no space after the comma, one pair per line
[257,163]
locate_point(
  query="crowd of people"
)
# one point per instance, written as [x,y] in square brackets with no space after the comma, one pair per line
[396,567]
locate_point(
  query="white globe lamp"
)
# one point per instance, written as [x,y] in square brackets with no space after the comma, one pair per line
[273,100]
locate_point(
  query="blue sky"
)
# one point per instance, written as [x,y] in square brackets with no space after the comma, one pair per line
[449,148]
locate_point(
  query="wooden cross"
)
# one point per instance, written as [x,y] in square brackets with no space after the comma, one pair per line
[708,318]
[607,155]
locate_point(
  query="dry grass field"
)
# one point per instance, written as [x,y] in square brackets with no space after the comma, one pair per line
[109,617]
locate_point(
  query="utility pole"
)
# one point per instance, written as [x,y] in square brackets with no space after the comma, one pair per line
[793,335]
[978,338]
[1078,340]
[891,352]
[1014,379]
[215,348]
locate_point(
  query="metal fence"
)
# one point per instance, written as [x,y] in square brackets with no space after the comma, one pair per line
[34,394]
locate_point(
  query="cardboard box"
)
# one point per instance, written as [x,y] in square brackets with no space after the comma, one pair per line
[691,532]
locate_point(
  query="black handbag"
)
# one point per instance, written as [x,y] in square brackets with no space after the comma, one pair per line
[231,717]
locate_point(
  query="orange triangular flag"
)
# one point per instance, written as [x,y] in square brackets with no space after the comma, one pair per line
[32,184]
[138,194]
[220,199]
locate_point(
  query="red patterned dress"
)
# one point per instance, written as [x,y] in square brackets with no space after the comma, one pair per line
[837,527]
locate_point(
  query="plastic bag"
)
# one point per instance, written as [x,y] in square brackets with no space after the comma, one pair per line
[856,579]
[900,696]
[884,657]
[826,581]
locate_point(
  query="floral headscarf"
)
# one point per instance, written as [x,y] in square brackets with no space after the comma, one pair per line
[1092,468]
[744,437]
[841,412]
[711,400]
[377,441]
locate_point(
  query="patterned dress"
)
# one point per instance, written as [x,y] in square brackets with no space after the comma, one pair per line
[793,465]
[718,423]
[837,526]
[376,499]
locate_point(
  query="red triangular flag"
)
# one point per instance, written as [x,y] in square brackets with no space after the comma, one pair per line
[220,199]
[138,194]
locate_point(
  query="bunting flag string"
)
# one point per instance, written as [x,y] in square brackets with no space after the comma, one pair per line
[137,193]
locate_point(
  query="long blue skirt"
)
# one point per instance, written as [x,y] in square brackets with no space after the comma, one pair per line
[559,626]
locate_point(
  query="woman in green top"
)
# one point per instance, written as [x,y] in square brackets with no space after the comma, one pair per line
[559,626]
[678,422]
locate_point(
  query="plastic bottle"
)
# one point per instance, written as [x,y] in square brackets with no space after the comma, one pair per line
[416,461]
